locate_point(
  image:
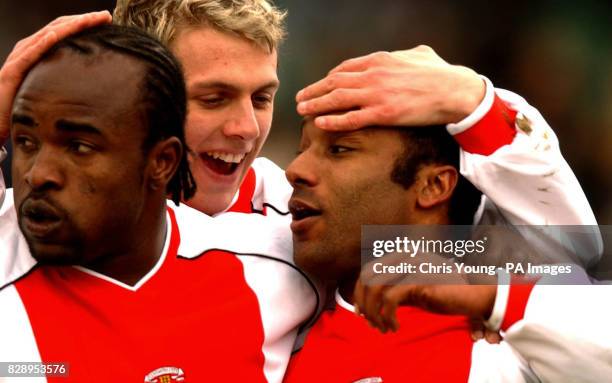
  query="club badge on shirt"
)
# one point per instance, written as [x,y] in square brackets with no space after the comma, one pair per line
[374,379]
[166,375]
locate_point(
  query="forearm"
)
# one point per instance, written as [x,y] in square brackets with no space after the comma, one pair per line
[512,155]
[560,331]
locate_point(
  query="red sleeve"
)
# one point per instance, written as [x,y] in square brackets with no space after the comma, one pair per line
[520,290]
[494,130]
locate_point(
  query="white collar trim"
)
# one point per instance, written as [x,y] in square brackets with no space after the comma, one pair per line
[148,275]
[342,303]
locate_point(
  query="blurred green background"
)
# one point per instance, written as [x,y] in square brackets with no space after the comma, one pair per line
[556,54]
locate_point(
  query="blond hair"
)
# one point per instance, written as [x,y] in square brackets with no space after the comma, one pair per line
[256,20]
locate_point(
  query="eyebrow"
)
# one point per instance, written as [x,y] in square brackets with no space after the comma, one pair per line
[225,86]
[63,125]
[75,127]
[348,135]
[22,119]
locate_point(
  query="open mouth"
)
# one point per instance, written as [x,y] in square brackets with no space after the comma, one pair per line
[300,210]
[38,212]
[39,219]
[222,163]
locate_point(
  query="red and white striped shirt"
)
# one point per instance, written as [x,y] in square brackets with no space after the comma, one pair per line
[223,303]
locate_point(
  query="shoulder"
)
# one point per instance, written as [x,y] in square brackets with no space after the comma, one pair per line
[15,329]
[238,233]
[264,249]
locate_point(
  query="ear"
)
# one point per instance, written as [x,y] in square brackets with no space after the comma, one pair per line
[164,159]
[436,184]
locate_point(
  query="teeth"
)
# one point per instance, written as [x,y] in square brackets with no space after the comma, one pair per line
[227,157]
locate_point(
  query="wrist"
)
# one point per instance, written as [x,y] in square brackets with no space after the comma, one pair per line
[512,296]
[494,320]
[489,292]
[488,128]
[469,93]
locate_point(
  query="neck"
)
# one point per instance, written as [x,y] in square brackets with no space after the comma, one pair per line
[141,249]
[432,216]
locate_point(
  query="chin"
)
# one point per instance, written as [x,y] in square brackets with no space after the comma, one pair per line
[301,256]
[314,261]
[55,254]
[208,205]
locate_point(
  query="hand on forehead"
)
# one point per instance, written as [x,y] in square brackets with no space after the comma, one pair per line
[29,50]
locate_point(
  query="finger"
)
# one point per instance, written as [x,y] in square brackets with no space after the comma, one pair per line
[352,120]
[64,26]
[362,63]
[391,299]
[16,67]
[11,76]
[64,19]
[358,296]
[367,277]
[40,42]
[371,277]
[29,51]
[328,84]
[478,329]
[372,306]
[80,23]
[338,100]
[4,127]
[492,337]
[421,53]
[477,335]
[38,35]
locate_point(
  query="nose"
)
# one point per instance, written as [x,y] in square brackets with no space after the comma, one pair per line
[243,122]
[45,171]
[302,171]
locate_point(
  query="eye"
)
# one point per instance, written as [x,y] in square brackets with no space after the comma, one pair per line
[80,147]
[339,149]
[262,100]
[212,101]
[24,143]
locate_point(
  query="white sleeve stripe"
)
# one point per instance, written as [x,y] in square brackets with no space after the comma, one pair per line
[310,282]
[480,111]
[277,286]
[501,301]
